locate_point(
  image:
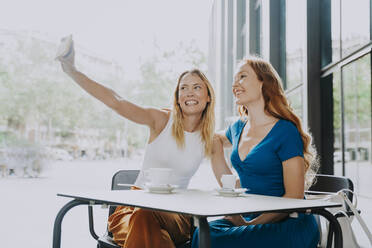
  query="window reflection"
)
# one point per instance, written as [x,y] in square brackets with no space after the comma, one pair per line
[337,144]
[357,110]
[295,100]
[295,41]
[241,26]
[255,27]
[354,25]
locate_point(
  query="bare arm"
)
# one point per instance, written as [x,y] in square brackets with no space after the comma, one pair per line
[224,140]
[293,175]
[219,165]
[151,117]
[110,98]
[294,181]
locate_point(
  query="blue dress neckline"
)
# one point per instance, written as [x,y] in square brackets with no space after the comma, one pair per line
[258,144]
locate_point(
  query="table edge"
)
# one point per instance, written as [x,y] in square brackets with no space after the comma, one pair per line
[286,210]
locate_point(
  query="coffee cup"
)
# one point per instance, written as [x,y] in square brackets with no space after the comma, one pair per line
[158,176]
[228,181]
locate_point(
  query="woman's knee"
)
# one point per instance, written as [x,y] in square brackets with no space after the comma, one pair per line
[142,214]
[144,220]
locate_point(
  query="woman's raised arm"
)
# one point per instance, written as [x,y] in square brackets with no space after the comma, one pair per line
[133,112]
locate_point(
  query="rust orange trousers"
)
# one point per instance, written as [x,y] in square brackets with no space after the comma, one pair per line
[141,228]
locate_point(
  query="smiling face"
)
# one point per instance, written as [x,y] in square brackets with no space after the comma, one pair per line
[192,94]
[247,88]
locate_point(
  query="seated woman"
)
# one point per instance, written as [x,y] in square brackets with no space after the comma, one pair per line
[179,139]
[272,156]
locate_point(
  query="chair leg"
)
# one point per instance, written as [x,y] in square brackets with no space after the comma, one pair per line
[330,236]
[91,223]
[317,219]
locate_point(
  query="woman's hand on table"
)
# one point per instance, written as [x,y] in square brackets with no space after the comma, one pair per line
[237,220]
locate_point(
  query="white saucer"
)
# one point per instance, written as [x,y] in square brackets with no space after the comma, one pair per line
[231,192]
[160,189]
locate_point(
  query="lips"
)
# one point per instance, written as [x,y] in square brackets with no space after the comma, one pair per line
[191,102]
[238,92]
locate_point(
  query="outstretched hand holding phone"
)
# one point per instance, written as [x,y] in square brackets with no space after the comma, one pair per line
[66,54]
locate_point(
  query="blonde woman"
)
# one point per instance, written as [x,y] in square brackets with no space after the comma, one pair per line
[272,156]
[179,139]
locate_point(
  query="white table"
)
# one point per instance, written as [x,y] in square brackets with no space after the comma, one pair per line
[200,204]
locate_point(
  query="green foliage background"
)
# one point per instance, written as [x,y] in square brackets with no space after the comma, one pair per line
[34,90]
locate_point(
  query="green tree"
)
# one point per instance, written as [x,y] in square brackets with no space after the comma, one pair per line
[34,90]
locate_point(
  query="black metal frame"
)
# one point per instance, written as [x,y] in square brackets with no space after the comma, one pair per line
[91,223]
[204,240]
[328,67]
[57,229]
[327,184]
[320,94]
[277,38]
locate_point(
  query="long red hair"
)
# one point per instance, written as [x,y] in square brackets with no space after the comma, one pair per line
[276,104]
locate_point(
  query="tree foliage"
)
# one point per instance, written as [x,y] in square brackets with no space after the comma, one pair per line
[35,92]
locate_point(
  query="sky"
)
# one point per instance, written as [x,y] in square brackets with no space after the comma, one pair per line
[120,29]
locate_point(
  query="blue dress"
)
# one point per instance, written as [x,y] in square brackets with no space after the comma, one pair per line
[262,172]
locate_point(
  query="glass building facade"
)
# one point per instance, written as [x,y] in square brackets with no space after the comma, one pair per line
[322,51]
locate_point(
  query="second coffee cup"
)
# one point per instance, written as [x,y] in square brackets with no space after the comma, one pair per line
[158,176]
[228,181]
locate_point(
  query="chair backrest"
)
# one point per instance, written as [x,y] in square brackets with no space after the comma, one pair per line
[122,180]
[332,184]
[329,184]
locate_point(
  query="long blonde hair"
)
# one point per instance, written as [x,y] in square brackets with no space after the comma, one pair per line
[276,104]
[207,120]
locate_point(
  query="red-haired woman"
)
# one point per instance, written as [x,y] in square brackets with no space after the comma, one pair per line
[272,156]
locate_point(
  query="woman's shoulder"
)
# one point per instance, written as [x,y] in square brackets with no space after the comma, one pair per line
[161,117]
[288,126]
[234,129]
[237,123]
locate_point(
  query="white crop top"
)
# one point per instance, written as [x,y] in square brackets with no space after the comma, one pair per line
[163,152]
